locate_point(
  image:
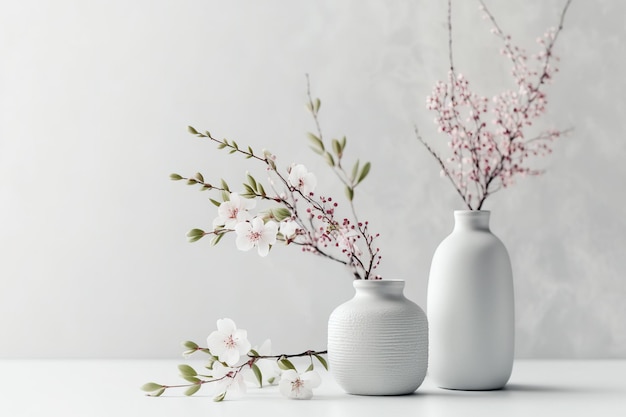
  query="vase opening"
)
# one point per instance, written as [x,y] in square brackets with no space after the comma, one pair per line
[471,219]
[382,286]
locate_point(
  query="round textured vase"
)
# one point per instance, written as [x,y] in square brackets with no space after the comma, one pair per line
[378,341]
[471,307]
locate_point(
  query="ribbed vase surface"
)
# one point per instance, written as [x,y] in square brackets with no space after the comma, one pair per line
[378,340]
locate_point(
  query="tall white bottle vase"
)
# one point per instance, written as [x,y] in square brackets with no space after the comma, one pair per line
[470,307]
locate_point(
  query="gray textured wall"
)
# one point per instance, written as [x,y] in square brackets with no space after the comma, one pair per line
[95,98]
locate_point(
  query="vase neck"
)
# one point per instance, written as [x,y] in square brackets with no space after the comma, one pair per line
[379,288]
[471,220]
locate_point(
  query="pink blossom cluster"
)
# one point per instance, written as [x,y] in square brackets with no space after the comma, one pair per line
[488,139]
[327,234]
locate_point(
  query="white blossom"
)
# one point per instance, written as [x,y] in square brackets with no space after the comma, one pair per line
[256,233]
[288,228]
[227,342]
[293,385]
[302,179]
[227,380]
[234,211]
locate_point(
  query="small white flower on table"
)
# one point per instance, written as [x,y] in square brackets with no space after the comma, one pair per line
[227,380]
[293,385]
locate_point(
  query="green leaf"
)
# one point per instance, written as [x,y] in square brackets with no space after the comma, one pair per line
[261,190]
[310,368]
[192,390]
[217,239]
[235,145]
[195,234]
[220,397]
[271,380]
[286,364]
[224,186]
[249,190]
[350,193]
[257,374]
[355,170]
[254,352]
[190,345]
[318,145]
[281,213]
[191,181]
[318,104]
[343,143]
[194,239]
[329,159]
[191,130]
[151,387]
[215,202]
[225,196]
[191,379]
[322,361]
[199,177]
[187,370]
[252,181]
[157,393]
[337,148]
[364,172]
[175,177]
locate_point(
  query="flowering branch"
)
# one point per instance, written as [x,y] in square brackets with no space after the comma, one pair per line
[350,181]
[484,160]
[309,353]
[298,215]
[226,346]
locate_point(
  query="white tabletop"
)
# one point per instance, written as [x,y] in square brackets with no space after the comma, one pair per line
[111,388]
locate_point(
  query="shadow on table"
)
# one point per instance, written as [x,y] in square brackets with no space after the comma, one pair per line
[549,389]
[511,389]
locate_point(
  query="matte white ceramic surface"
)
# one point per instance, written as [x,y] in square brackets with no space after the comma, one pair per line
[378,341]
[471,307]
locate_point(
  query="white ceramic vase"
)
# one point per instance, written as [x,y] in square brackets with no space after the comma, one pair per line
[378,341]
[471,307]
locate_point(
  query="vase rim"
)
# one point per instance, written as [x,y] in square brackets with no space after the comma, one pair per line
[471,212]
[471,219]
[371,282]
